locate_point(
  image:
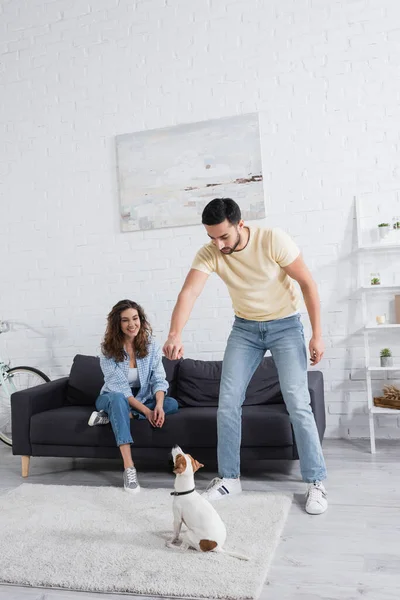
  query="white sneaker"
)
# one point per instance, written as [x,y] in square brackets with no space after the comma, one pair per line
[220,488]
[316,502]
[98,418]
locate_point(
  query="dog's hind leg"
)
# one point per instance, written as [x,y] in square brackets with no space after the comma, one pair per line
[180,547]
[190,540]
[184,545]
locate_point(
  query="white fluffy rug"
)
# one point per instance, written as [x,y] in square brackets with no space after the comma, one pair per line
[105,540]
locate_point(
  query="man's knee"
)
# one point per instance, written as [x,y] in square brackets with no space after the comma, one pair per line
[298,403]
[230,401]
[296,395]
[228,387]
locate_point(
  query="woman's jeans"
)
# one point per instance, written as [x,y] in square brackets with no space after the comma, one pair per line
[118,410]
[247,344]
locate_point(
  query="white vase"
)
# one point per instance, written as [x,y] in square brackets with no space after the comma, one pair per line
[386,361]
[384,232]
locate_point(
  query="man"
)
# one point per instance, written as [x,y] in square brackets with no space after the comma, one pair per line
[258,266]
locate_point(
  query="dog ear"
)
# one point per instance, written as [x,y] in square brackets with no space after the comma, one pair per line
[195,464]
[180,464]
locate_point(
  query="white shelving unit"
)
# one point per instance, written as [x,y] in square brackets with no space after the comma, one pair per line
[366,291]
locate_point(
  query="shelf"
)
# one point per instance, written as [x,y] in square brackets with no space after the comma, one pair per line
[381,246]
[384,326]
[378,410]
[395,368]
[376,288]
[366,249]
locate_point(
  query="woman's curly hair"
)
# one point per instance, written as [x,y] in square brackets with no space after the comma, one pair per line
[113,343]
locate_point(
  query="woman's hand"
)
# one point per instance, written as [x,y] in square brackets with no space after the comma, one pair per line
[149,414]
[158,416]
[155,417]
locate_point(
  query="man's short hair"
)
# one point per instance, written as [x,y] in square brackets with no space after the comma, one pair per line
[220,209]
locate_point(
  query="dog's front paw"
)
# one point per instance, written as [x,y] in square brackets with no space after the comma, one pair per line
[170,543]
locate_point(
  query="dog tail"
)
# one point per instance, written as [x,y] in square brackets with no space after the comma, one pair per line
[234,554]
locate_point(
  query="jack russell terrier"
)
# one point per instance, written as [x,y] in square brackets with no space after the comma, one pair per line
[206,531]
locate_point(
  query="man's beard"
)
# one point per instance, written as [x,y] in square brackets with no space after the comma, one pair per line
[233,247]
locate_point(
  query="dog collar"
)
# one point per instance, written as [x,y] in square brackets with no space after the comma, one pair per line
[182,493]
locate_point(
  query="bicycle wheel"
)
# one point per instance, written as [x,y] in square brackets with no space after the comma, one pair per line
[18,378]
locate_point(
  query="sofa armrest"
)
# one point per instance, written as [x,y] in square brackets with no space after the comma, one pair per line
[317,395]
[28,402]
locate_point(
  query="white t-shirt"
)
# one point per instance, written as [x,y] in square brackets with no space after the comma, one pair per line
[133,377]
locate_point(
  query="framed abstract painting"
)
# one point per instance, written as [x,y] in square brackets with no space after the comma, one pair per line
[167,176]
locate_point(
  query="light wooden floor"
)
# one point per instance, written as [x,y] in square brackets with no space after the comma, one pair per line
[351,552]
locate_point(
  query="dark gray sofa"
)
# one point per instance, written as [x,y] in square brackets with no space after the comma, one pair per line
[51,419]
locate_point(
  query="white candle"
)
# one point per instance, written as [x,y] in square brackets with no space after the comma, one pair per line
[380,319]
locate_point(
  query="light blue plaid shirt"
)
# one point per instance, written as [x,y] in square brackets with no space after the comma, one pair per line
[150,370]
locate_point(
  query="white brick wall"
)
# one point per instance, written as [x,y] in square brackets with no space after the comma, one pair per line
[75,73]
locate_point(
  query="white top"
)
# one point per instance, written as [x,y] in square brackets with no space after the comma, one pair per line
[133,377]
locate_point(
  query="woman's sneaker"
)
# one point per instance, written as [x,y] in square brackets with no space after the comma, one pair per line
[98,418]
[131,483]
[316,498]
[221,488]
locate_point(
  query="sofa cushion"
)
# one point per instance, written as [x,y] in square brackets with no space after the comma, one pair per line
[199,380]
[171,372]
[266,425]
[68,426]
[86,379]
[190,427]
[196,427]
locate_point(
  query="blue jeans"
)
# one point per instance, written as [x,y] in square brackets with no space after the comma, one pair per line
[247,344]
[118,410]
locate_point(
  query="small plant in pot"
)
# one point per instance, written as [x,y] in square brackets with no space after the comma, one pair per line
[384,230]
[375,279]
[386,358]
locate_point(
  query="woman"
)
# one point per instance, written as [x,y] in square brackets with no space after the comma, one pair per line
[134,381]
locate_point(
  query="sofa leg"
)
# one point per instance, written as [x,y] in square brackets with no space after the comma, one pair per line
[25,465]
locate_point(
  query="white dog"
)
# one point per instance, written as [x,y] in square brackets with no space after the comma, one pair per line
[206,531]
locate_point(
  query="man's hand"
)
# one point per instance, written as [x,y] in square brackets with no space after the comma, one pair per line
[173,347]
[158,416]
[317,349]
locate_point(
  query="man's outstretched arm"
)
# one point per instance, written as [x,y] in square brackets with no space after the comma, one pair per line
[191,289]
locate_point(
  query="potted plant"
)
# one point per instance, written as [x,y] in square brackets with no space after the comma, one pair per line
[384,230]
[386,358]
[375,279]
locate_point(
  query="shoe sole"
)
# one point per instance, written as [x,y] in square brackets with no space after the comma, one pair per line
[130,491]
[92,422]
[319,509]
[320,512]
[92,419]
